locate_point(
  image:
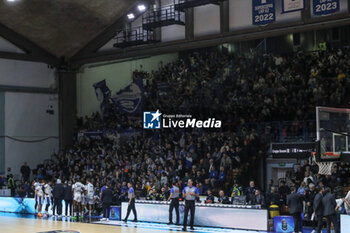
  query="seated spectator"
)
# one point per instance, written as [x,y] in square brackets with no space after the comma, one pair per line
[250,192]
[222,176]
[222,198]
[259,199]
[210,198]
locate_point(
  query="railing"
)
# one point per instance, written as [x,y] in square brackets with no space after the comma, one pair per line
[166,14]
[134,36]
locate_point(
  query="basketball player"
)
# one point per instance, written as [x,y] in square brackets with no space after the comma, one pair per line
[190,193]
[78,189]
[174,197]
[40,197]
[89,187]
[35,184]
[131,204]
[48,197]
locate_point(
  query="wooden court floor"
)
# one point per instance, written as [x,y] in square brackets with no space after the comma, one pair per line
[30,225]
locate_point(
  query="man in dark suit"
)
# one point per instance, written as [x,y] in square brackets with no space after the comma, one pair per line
[107,200]
[295,203]
[330,204]
[58,195]
[318,208]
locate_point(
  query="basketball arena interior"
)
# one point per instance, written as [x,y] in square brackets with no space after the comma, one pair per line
[158,116]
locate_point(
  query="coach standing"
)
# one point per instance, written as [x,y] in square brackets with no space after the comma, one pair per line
[107,200]
[131,204]
[189,193]
[174,197]
[295,204]
[329,204]
[318,208]
[58,195]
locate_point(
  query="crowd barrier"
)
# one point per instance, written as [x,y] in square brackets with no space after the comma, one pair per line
[207,215]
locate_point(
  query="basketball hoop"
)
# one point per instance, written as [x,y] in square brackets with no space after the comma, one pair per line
[324,168]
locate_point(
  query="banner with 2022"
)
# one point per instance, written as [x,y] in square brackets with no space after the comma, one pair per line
[263,12]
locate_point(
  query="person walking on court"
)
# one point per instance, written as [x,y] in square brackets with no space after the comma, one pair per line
[330,204]
[131,204]
[318,208]
[107,200]
[295,203]
[189,193]
[174,197]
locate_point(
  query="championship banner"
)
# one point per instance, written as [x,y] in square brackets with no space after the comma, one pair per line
[325,7]
[292,5]
[103,95]
[130,99]
[292,150]
[263,12]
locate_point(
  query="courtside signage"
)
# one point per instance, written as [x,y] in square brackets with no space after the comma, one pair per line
[157,120]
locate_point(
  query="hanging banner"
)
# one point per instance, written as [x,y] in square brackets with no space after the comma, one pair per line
[263,12]
[130,99]
[292,5]
[325,7]
[103,95]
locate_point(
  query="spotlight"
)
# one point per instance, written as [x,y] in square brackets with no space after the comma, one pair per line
[131,16]
[141,8]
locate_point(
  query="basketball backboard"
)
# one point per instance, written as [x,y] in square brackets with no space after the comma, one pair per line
[332,131]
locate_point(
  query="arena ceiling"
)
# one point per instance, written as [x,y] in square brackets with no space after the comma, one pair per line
[62,27]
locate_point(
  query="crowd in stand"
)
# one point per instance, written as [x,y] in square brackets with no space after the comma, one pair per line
[235,89]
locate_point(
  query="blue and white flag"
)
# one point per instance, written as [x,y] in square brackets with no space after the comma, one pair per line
[325,7]
[130,99]
[263,12]
[103,95]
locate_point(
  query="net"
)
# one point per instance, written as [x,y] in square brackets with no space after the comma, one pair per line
[324,168]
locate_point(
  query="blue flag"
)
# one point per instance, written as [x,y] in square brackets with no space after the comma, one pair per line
[103,95]
[130,99]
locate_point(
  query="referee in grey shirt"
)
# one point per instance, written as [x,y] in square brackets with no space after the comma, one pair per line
[174,197]
[189,193]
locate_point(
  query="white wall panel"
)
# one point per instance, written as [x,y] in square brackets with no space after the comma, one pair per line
[28,74]
[26,119]
[173,32]
[206,20]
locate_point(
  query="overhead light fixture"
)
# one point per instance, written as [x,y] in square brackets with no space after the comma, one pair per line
[11,0]
[141,8]
[131,16]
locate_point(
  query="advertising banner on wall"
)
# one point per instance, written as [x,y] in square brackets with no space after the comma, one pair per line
[263,12]
[325,7]
[292,5]
[292,150]
[238,218]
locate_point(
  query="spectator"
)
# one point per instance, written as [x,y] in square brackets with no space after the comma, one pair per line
[250,192]
[25,171]
[222,198]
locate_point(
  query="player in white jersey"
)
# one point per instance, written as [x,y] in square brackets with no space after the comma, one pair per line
[89,196]
[78,189]
[39,196]
[35,184]
[48,196]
